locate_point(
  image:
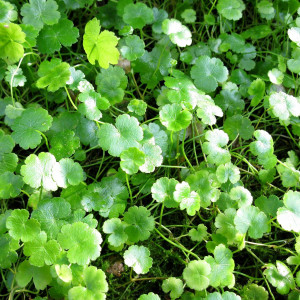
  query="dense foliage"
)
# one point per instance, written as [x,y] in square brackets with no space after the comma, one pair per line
[149,150]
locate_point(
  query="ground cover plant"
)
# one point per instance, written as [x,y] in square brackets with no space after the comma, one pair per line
[149,150]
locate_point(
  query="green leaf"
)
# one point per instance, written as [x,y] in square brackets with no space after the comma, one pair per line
[253,291]
[208,72]
[40,12]
[11,39]
[224,296]
[231,10]
[7,12]
[238,125]
[222,266]
[174,286]
[187,199]
[41,251]
[126,134]
[20,227]
[28,125]
[14,76]
[81,241]
[189,15]
[31,35]
[289,215]
[227,172]
[280,277]
[100,46]
[225,224]
[179,34]
[70,4]
[41,276]
[257,91]
[131,160]
[206,185]
[207,110]
[251,219]
[264,144]
[230,99]
[138,257]
[132,47]
[137,106]
[276,76]
[53,74]
[8,255]
[67,172]
[196,274]
[76,77]
[10,185]
[64,143]
[162,191]
[95,285]
[52,215]
[217,139]
[116,229]
[138,15]
[241,195]
[111,84]
[37,171]
[51,38]
[174,118]
[266,9]
[153,157]
[140,223]
[268,205]
[197,235]
[284,106]
[149,296]
[294,35]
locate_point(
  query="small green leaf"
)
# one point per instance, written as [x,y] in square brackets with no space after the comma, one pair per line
[222,266]
[53,74]
[251,219]
[40,12]
[241,195]
[126,134]
[280,277]
[138,15]
[20,227]
[41,251]
[189,15]
[10,185]
[7,12]
[253,291]
[100,46]
[228,172]
[116,229]
[179,34]
[187,199]
[257,91]
[208,72]
[289,215]
[132,47]
[238,125]
[153,157]
[26,272]
[174,286]
[174,118]
[137,106]
[14,76]
[196,274]
[149,296]
[11,39]
[231,10]
[140,223]
[81,241]
[131,160]
[197,235]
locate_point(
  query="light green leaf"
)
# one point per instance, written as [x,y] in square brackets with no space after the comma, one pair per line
[257,91]
[187,199]
[280,277]
[137,106]
[7,12]
[153,157]
[116,228]
[241,195]
[20,227]
[81,241]
[251,219]
[138,15]
[14,76]
[179,34]
[231,10]
[11,39]
[228,172]
[196,274]
[222,266]
[132,47]
[100,46]
[53,74]
[174,286]
[41,251]
[126,134]
[197,235]
[10,185]
[131,160]
[289,215]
